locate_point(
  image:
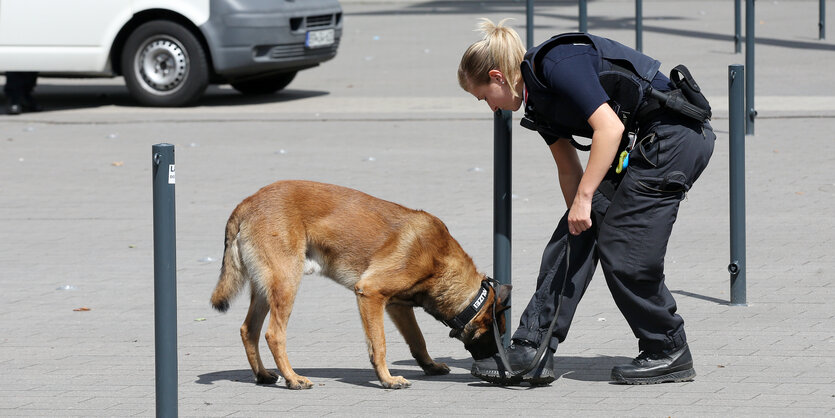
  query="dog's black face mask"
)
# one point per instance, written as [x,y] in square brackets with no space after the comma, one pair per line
[484,345]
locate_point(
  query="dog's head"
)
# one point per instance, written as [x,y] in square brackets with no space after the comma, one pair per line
[478,335]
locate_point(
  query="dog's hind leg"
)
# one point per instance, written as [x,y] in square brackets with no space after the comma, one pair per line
[250,334]
[404,319]
[282,287]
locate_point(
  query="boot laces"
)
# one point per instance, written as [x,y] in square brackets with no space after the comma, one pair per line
[646,356]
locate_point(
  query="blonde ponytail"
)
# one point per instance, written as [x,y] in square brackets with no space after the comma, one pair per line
[499,49]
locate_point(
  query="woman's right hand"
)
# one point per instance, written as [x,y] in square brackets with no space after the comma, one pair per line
[579,216]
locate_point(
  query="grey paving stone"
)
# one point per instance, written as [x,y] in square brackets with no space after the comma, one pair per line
[69,216]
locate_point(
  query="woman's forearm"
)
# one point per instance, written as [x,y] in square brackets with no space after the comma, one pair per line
[569,169]
[569,183]
[604,147]
[605,142]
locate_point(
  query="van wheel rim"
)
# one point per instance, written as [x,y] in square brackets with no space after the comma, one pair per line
[162,64]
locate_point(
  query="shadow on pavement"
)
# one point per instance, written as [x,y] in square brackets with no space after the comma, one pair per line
[357,376]
[463,363]
[702,297]
[595,22]
[587,369]
[54,97]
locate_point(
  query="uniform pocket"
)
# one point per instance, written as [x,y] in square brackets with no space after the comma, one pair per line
[671,184]
[663,145]
[647,149]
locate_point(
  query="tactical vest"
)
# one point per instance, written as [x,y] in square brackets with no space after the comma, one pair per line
[625,74]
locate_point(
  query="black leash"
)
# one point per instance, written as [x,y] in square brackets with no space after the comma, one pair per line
[516,377]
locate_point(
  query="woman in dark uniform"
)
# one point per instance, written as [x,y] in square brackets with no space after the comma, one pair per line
[619,214]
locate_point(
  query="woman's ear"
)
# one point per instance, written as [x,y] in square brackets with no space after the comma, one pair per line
[496,75]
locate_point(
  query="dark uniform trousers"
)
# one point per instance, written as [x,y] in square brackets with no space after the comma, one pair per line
[19,85]
[629,235]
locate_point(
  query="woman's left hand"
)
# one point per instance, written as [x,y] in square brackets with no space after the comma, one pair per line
[579,217]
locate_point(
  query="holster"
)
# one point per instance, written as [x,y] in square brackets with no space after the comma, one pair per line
[683,80]
[686,99]
[676,101]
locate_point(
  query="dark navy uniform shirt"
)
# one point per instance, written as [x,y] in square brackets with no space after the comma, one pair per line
[571,71]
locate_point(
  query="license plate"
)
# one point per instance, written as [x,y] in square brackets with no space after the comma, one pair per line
[319,38]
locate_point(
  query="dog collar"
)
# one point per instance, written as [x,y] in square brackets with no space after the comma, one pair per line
[470,312]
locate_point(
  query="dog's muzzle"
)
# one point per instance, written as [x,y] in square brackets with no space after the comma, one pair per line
[484,346]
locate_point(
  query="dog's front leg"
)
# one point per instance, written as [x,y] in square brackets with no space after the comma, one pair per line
[403,317]
[371,304]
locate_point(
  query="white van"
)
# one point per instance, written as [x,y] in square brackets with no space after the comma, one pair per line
[170,50]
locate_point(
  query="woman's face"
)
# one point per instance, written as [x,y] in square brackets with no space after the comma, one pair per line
[497,93]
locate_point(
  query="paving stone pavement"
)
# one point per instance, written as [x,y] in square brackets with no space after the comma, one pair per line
[387,117]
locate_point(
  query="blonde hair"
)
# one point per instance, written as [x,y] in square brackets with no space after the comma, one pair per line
[500,48]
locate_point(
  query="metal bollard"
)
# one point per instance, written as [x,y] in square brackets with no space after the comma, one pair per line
[736,104]
[584,18]
[529,24]
[751,113]
[639,25]
[822,19]
[165,280]
[737,26]
[502,202]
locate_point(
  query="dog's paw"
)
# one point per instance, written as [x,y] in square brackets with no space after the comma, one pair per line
[435,369]
[397,382]
[299,382]
[268,378]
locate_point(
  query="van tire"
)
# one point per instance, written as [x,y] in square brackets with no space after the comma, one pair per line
[164,65]
[264,85]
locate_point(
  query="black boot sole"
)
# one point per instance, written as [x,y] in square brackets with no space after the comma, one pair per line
[496,377]
[680,376]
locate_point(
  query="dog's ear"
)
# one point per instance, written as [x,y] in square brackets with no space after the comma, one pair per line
[504,294]
[504,298]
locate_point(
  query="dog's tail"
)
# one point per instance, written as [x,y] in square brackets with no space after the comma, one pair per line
[232,272]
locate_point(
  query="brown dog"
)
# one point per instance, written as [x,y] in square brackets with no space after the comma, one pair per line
[392,257]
